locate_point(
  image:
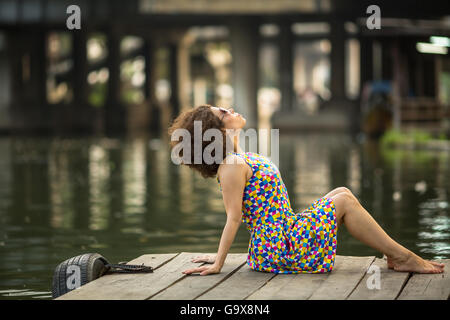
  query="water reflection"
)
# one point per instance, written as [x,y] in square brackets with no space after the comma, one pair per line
[312,164]
[98,175]
[124,197]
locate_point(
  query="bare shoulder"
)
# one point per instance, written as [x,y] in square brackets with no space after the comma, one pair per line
[233,159]
[233,168]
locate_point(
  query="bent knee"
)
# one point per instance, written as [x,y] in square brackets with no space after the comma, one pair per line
[343,190]
[343,200]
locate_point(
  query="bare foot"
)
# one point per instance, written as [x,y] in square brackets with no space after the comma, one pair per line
[413,263]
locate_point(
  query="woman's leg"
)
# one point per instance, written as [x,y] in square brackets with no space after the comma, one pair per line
[336,191]
[363,227]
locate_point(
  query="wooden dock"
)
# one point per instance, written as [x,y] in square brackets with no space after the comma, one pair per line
[349,279]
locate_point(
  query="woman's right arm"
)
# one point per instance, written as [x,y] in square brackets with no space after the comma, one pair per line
[233,178]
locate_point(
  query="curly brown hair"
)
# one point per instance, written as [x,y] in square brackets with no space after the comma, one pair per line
[209,120]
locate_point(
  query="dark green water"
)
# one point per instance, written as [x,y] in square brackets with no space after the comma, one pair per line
[123,198]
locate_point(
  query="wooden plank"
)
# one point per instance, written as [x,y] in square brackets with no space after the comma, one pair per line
[195,285]
[135,286]
[290,287]
[240,285]
[237,281]
[428,286]
[347,273]
[391,283]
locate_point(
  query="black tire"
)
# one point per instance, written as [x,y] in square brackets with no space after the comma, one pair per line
[77,271]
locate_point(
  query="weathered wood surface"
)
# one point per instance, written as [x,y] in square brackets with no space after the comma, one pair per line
[240,285]
[428,286]
[290,287]
[347,273]
[391,283]
[351,278]
[193,286]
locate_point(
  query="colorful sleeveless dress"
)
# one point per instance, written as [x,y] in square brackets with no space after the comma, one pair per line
[283,241]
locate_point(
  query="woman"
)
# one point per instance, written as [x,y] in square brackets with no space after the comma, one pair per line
[282,241]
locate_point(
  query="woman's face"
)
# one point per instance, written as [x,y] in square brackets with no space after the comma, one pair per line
[231,119]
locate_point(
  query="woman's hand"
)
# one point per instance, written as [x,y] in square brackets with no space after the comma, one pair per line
[204,270]
[205,258]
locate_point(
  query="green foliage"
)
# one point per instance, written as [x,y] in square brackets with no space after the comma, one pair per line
[396,137]
[392,138]
[442,136]
[419,136]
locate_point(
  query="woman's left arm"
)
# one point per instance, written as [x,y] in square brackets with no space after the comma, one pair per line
[233,178]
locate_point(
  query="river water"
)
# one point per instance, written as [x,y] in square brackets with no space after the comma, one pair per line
[61,197]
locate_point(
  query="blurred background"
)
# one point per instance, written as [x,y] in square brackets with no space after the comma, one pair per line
[84,158]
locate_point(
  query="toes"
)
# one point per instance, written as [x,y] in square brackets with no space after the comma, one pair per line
[437,264]
[441,265]
[433,267]
[437,269]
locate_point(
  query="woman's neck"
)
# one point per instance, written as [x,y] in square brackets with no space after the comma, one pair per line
[235,138]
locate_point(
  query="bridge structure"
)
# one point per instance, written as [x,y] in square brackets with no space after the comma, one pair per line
[46,84]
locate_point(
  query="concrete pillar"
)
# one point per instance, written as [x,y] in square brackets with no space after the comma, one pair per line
[80,109]
[387,59]
[80,66]
[183,73]
[286,67]
[147,52]
[39,68]
[26,54]
[337,37]
[244,43]
[150,86]
[174,80]
[377,60]
[115,112]
[366,61]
